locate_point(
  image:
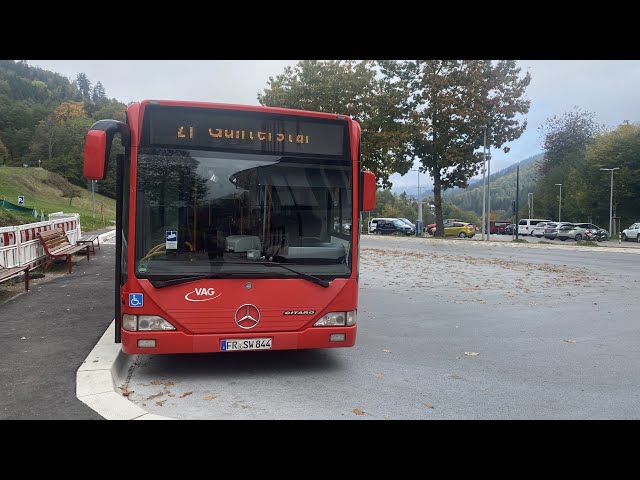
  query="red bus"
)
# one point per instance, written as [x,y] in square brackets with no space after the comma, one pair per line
[234,226]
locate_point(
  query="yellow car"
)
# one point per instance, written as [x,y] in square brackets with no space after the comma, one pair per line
[459,229]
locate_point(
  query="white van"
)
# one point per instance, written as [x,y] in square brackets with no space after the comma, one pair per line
[525,225]
[374,222]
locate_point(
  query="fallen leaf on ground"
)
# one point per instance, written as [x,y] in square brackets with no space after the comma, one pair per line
[185,394]
[377,375]
[160,403]
[166,383]
[471,354]
[429,405]
[357,411]
[210,397]
[151,397]
[386,350]
[569,341]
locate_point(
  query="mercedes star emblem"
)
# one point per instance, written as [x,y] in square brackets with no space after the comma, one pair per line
[247,316]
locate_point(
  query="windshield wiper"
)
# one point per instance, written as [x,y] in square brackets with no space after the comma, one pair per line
[186,279]
[306,276]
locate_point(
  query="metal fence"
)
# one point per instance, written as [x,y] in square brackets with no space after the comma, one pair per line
[20,245]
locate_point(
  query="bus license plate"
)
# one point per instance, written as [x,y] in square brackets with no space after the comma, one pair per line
[246,344]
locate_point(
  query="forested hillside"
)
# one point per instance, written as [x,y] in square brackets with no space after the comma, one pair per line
[44,118]
[503,190]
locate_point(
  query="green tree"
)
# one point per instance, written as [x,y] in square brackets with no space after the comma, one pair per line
[47,134]
[347,88]
[84,85]
[4,153]
[113,110]
[445,104]
[566,139]
[99,94]
[71,192]
[390,211]
[619,148]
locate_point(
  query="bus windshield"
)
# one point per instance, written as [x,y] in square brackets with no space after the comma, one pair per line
[207,212]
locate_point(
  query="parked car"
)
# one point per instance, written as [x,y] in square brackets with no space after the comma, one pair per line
[632,233]
[459,229]
[374,222]
[510,229]
[431,228]
[387,227]
[538,229]
[526,224]
[577,232]
[552,228]
[408,222]
[498,227]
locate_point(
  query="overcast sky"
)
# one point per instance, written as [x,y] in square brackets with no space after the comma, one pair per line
[609,88]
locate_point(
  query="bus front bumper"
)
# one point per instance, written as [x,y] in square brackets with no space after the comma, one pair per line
[181,342]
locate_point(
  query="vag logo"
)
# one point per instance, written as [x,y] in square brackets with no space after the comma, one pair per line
[299,312]
[202,294]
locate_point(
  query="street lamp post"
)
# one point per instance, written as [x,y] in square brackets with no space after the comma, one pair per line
[530,201]
[559,201]
[489,192]
[419,221]
[93,199]
[610,199]
[484,161]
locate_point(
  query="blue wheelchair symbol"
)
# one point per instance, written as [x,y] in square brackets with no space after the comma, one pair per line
[136,300]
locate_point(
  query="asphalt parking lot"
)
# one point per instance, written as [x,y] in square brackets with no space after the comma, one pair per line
[448,329]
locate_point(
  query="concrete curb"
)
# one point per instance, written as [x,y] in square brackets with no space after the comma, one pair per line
[104,236]
[104,370]
[99,377]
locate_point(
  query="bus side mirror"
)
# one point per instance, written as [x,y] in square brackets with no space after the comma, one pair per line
[368,191]
[97,147]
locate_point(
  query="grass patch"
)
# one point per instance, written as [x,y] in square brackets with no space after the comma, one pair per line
[544,242]
[9,218]
[519,240]
[585,243]
[43,191]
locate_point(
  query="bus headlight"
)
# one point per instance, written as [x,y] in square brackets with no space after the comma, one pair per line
[337,319]
[145,323]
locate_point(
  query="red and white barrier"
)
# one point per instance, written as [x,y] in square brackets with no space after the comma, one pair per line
[20,245]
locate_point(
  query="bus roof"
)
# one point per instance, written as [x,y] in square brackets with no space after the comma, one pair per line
[250,108]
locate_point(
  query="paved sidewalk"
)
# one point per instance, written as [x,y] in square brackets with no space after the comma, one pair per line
[47,333]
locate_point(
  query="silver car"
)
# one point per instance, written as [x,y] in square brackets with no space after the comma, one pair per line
[551,229]
[632,233]
[577,232]
[538,229]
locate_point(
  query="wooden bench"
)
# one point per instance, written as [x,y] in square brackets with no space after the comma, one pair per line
[56,245]
[7,273]
[89,239]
